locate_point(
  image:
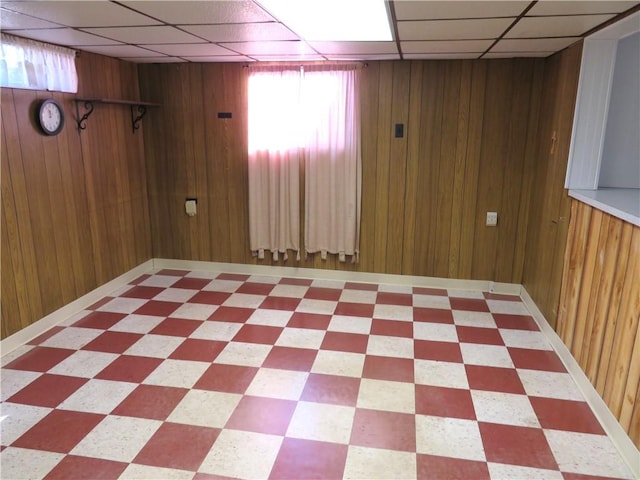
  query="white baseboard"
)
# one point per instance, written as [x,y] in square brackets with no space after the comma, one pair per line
[609,422]
[25,335]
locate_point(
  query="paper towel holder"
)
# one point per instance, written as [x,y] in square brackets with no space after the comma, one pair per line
[190,206]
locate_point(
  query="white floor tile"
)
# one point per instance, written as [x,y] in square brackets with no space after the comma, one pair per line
[507,306]
[175,295]
[226,286]
[439,332]
[386,395]
[97,396]
[157,346]
[500,470]
[122,305]
[194,311]
[289,291]
[72,338]
[375,464]
[135,471]
[345,364]
[549,384]
[18,352]
[488,355]
[431,301]
[244,300]
[300,338]
[272,383]
[504,408]
[525,339]
[177,373]
[346,324]
[84,364]
[473,319]
[246,354]
[223,331]
[218,407]
[135,323]
[440,374]
[12,381]
[449,437]
[14,460]
[16,419]
[309,305]
[162,281]
[452,292]
[272,318]
[358,296]
[393,312]
[322,422]
[384,346]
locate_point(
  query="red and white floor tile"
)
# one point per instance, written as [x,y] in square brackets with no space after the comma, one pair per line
[197,376]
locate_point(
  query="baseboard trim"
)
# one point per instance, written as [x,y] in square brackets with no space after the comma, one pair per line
[609,422]
[27,334]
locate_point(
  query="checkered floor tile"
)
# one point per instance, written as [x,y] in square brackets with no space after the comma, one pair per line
[193,375]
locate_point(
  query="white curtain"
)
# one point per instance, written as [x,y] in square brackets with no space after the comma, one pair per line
[333,167]
[274,161]
[36,65]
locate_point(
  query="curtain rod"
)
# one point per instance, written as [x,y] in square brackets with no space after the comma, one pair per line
[306,64]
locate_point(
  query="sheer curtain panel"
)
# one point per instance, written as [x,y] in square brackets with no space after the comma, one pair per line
[37,66]
[333,166]
[275,138]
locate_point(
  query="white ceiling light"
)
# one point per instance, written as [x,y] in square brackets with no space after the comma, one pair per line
[333,20]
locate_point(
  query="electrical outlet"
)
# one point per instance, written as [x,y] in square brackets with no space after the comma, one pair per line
[492,219]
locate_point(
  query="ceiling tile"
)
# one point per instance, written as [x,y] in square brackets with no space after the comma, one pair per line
[288,58]
[533,44]
[355,58]
[80,14]
[565,26]
[199,12]
[453,29]
[154,59]
[190,49]
[270,48]
[428,10]
[352,48]
[517,54]
[440,56]
[242,32]
[146,35]
[65,36]
[444,46]
[219,58]
[122,51]
[11,20]
[572,7]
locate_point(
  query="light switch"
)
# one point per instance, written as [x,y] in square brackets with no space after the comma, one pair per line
[190,206]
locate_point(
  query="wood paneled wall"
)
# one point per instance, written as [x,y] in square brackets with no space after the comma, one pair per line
[548,218]
[600,308]
[74,206]
[469,148]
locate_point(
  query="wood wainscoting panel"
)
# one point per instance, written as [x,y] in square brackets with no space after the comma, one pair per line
[600,314]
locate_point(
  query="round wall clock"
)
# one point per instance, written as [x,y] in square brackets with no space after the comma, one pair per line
[51,117]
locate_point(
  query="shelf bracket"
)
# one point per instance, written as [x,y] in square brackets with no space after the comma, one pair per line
[82,122]
[137,117]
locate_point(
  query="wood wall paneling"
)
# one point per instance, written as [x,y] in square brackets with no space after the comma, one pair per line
[599,321]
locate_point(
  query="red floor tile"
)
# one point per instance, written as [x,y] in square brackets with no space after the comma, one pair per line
[192,283]
[99,303]
[371,287]
[515,322]
[331,389]
[100,320]
[389,298]
[158,308]
[566,415]
[173,272]
[546,360]
[129,368]
[301,282]
[494,379]
[345,342]
[318,293]
[252,288]
[313,321]
[433,315]
[498,296]
[280,303]
[85,468]
[226,378]
[59,431]
[442,351]
[238,277]
[258,334]
[198,350]
[210,476]
[178,446]
[210,298]
[444,402]
[388,368]
[434,467]
[391,328]
[470,304]
[485,336]
[140,291]
[286,358]
[39,359]
[150,401]
[45,336]
[512,445]
[176,327]
[354,309]
[577,476]
[388,430]
[48,390]
[262,415]
[308,459]
[140,279]
[430,291]
[112,342]
[231,314]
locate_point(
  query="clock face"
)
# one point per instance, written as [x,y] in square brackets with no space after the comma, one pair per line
[51,117]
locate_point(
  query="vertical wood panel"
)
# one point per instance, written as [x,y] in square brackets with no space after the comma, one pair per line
[602,333]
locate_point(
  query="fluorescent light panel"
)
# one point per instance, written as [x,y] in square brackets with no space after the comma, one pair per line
[333,20]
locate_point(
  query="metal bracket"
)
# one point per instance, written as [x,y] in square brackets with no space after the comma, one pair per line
[135,119]
[82,122]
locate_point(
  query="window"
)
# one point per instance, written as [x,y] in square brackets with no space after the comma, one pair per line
[309,115]
[36,66]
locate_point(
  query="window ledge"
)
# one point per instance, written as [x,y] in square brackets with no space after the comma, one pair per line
[623,203]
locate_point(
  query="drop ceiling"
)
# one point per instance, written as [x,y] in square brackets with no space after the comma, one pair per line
[242,31]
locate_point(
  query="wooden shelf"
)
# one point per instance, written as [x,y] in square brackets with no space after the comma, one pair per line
[138,109]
